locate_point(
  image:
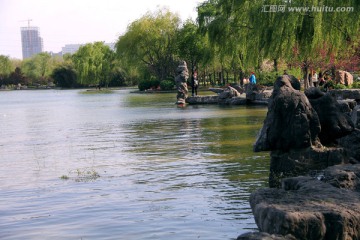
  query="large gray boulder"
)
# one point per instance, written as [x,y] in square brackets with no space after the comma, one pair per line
[297,162]
[291,122]
[355,116]
[326,206]
[350,144]
[334,122]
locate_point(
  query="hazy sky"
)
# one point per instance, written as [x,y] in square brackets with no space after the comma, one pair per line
[77,21]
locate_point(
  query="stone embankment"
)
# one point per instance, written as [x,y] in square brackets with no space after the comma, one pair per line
[235,95]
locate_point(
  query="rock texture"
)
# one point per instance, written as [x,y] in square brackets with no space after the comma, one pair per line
[298,162]
[264,236]
[180,80]
[291,122]
[315,166]
[334,123]
[344,77]
[324,207]
[346,94]
[355,116]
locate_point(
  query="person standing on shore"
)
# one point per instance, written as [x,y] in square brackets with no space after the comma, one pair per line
[194,84]
[252,78]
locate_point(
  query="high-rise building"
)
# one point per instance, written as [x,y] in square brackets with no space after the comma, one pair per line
[31,41]
[72,48]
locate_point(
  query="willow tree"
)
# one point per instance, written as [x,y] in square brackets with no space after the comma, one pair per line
[5,66]
[285,29]
[193,46]
[93,63]
[151,41]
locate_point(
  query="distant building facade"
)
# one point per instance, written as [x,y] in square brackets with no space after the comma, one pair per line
[72,48]
[31,41]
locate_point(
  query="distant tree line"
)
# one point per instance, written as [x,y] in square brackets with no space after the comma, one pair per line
[228,40]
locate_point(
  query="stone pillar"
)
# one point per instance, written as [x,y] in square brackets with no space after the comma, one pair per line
[182,74]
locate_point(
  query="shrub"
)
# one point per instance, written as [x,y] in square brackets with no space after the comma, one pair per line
[340,86]
[64,76]
[167,85]
[355,85]
[267,78]
[148,84]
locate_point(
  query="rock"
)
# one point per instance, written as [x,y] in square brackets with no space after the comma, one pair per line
[291,122]
[229,92]
[264,236]
[257,92]
[302,161]
[334,123]
[203,100]
[233,101]
[351,144]
[347,105]
[343,176]
[344,77]
[345,94]
[355,116]
[308,208]
[181,85]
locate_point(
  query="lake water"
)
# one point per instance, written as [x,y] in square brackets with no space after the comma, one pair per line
[126,166]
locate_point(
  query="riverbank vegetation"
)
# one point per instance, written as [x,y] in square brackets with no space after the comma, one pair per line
[228,41]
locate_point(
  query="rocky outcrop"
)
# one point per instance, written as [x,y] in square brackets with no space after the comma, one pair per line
[350,144]
[257,92]
[298,162]
[203,100]
[315,166]
[325,206]
[355,116]
[229,92]
[334,123]
[264,236]
[291,122]
[182,74]
[346,94]
[344,77]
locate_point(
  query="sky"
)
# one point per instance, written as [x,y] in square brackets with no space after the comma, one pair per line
[64,22]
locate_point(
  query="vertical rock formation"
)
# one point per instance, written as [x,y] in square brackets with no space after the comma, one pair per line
[182,74]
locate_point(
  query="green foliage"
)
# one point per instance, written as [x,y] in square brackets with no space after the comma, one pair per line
[167,85]
[267,78]
[340,86]
[39,67]
[117,78]
[356,85]
[149,43]
[94,63]
[64,76]
[148,84]
[5,66]
[243,34]
[17,77]
[193,47]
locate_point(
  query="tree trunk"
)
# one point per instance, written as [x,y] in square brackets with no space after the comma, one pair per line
[306,74]
[275,65]
[241,78]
